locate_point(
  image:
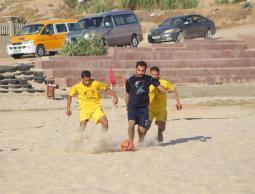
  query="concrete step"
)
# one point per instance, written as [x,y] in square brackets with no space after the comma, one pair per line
[199,75]
[182,54]
[83,64]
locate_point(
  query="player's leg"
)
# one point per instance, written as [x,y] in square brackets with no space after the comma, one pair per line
[151,117]
[161,123]
[161,128]
[143,122]
[131,130]
[84,118]
[141,132]
[99,116]
[104,122]
[131,123]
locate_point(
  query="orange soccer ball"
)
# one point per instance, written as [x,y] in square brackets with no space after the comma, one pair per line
[126,145]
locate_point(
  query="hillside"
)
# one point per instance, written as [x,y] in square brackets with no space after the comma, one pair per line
[224,15]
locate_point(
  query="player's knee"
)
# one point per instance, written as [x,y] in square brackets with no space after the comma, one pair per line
[142,130]
[105,124]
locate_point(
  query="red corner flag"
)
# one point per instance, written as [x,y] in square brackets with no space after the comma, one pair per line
[112,78]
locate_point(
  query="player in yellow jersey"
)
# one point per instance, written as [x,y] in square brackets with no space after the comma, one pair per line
[158,102]
[89,100]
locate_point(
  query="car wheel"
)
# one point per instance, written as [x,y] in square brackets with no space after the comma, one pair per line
[40,51]
[180,37]
[134,41]
[16,56]
[209,35]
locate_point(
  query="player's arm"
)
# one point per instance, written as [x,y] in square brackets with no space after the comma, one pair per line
[126,98]
[114,96]
[163,89]
[178,104]
[68,107]
[72,92]
[127,87]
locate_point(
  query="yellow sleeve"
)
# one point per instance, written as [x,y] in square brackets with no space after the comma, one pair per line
[101,85]
[169,86]
[73,91]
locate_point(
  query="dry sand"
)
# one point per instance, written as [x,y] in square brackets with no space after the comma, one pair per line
[208,148]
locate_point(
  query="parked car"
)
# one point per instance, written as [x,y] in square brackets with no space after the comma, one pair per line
[182,27]
[117,28]
[40,37]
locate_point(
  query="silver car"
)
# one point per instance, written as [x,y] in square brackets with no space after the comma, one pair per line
[117,28]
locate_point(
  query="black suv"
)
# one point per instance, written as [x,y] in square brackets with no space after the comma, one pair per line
[179,28]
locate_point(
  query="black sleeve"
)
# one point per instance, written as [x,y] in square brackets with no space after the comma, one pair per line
[127,86]
[155,82]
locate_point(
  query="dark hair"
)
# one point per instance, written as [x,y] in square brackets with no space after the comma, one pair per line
[85,73]
[154,68]
[141,63]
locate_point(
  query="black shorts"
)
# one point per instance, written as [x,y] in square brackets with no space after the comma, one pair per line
[139,115]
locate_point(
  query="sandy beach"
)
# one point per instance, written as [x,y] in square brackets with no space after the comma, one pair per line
[208,148]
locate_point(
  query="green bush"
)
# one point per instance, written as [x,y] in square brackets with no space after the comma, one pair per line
[101,6]
[155,4]
[93,45]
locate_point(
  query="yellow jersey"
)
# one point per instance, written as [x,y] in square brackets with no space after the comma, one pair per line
[158,99]
[88,96]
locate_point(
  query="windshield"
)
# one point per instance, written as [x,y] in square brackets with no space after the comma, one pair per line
[172,22]
[88,23]
[30,29]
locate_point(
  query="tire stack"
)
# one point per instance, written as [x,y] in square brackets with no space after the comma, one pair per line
[20,78]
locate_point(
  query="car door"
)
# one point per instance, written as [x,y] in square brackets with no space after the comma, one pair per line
[132,26]
[121,36]
[199,26]
[188,27]
[61,31]
[108,29]
[49,39]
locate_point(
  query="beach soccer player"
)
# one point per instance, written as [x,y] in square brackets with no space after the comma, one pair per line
[90,107]
[158,102]
[137,100]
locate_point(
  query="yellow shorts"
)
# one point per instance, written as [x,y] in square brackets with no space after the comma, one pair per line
[160,115]
[94,114]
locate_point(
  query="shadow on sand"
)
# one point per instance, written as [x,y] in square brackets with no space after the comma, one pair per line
[184,140]
[197,118]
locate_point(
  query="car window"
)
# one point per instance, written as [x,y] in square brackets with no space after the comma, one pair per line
[95,22]
[198,19]
[83,24]
[189,20]
[30,29]
[48,29]
[119,20]
[172,22]
[108,22]
[130,19]
[70,26]
[61,28]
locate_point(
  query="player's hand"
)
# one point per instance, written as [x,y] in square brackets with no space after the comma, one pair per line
[115,100]
[178,106]
[68,112]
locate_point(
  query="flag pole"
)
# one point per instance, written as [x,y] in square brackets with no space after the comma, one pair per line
[113,109]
